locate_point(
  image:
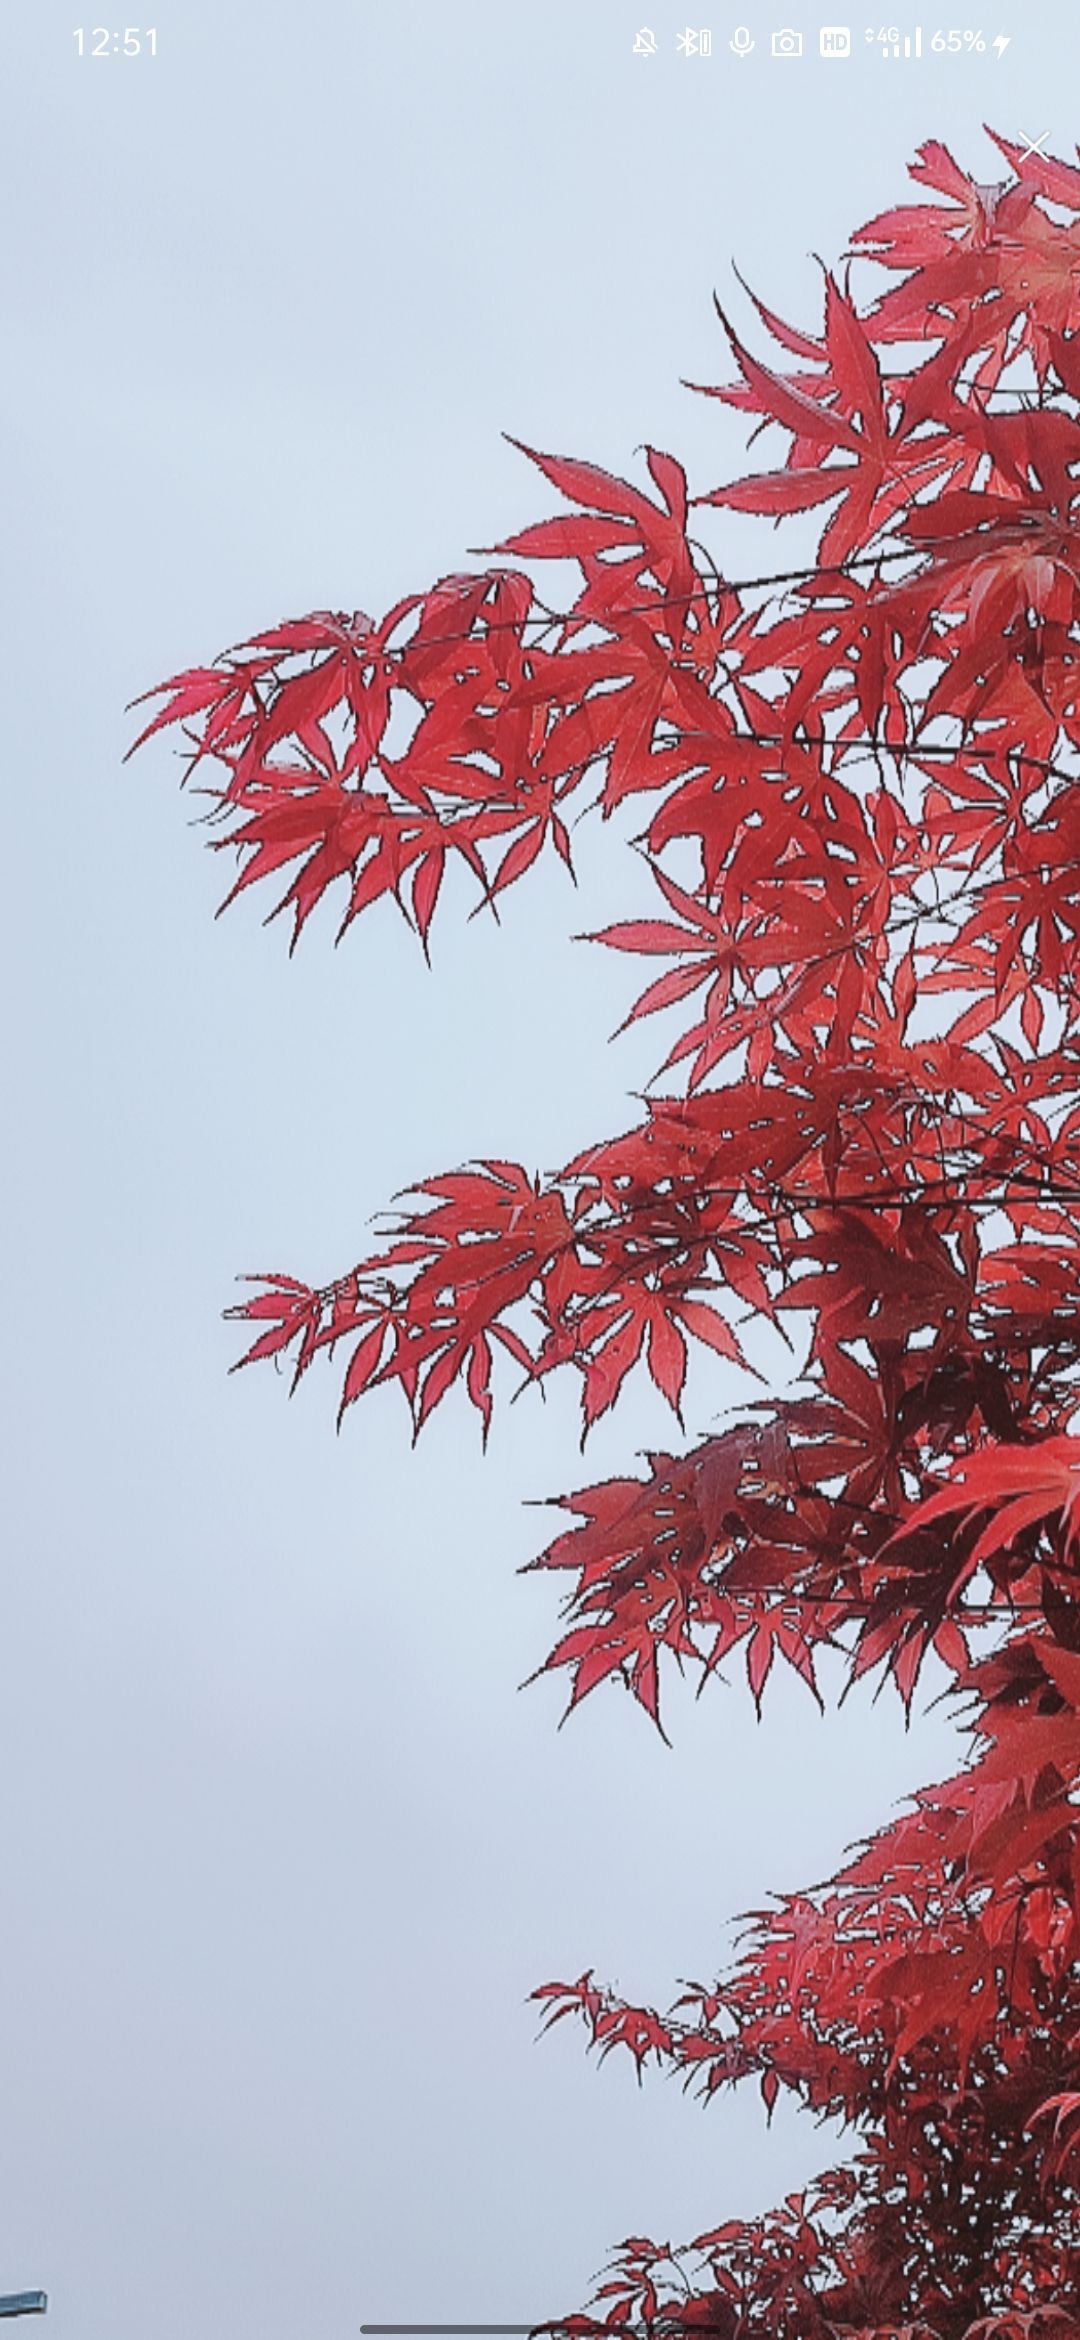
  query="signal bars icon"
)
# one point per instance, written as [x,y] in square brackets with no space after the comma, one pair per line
[897,44]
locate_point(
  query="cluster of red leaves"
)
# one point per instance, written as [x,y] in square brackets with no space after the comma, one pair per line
[863,826]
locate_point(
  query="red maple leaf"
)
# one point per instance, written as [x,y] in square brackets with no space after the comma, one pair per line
[863,825]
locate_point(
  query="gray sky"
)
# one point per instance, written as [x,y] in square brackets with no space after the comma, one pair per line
[284,1850]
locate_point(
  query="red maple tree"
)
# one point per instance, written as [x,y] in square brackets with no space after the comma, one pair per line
[866,775]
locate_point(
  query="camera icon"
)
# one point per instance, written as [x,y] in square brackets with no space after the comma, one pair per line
[787,43]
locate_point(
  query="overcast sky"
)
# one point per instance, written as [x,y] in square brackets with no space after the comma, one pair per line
[284,1848]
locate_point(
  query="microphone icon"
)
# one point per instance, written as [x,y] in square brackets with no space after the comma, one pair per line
[742,41]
